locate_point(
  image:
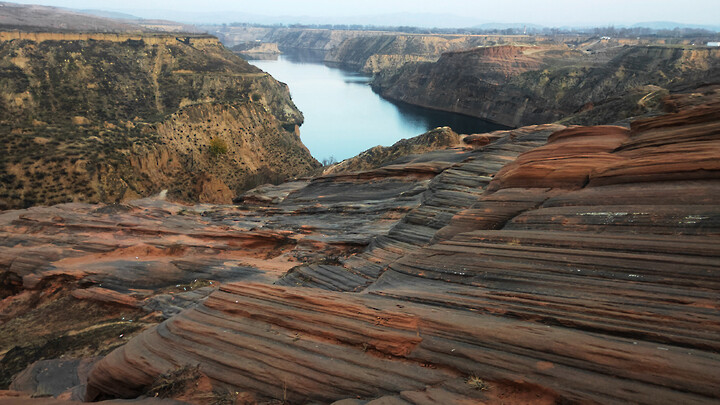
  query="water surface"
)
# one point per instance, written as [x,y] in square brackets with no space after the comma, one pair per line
[344,117]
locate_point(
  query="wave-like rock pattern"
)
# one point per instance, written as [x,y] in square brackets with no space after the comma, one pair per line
[456,188]
[581,271]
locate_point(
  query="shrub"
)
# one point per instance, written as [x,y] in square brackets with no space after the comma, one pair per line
[476,383]
[218,147]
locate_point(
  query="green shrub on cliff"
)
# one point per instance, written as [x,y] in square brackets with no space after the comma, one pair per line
[218,147]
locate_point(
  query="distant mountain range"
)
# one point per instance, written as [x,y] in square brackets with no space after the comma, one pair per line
[669,25]
[425,20]
[12,14]
[109,14]
[15,16]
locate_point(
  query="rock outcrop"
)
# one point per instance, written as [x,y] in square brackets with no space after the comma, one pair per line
[287,38]
[437,139]
[256,48]
[583,270]
[523,85]
[115,117]
[544,264]
[389,52]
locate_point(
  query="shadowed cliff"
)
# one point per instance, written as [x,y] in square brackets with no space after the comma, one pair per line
[522,85]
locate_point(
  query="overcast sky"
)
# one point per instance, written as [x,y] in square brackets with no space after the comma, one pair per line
[544,12]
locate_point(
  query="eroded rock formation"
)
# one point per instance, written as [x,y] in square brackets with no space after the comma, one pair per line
[115,117]
[584,270]
[545,264]
[522,85]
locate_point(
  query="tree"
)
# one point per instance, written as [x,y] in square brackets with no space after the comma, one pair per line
[329,161]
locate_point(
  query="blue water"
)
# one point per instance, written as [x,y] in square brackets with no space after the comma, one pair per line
[344,117]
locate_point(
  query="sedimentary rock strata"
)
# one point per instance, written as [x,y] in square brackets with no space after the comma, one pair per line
[523,85]
[543,264]
[547,266]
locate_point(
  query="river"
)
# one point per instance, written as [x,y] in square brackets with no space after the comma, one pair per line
[344,117]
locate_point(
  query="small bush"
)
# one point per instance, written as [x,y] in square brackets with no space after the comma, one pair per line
[218,147]
[476,383]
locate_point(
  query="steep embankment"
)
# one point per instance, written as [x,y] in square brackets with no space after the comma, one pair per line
[109,117]
[388,52]
[287,38]
[253,47]
[526,85]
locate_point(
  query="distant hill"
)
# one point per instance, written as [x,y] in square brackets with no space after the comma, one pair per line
[428,20]
[42,18]
[503,26]
[15,16]
[669,25]
[109,14]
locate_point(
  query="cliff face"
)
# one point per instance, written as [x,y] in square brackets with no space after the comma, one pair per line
[288,38]
[524,85]
[256,48]
[387,53]
[108,119]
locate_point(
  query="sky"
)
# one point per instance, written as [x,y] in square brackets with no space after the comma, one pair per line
[542,12]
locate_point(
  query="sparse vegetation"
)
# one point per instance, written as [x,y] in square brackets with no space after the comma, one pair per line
[224,397]
[174,382]
[51,158]
[477,383]
[329,161]
[218,147]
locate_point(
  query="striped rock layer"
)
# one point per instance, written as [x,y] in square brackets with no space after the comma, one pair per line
[578,265]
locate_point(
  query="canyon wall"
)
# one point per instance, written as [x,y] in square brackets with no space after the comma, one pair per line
[288,38]
[514,85]
[390,51]
[111,117]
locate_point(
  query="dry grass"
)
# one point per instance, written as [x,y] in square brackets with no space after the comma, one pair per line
[477,383]
[174,382]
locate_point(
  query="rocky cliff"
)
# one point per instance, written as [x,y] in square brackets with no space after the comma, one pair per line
[378,156]
[523,85]
[388,52]
[287,38]
[253,47]
[112,117]
[544,264]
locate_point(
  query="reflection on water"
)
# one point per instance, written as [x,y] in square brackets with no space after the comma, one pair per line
[344,117]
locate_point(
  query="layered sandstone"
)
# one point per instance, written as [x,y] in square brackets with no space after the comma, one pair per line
[544,264]
[583,270]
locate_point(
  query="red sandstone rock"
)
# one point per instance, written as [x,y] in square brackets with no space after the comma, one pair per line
[544,267]
[566,161]
[571,289]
